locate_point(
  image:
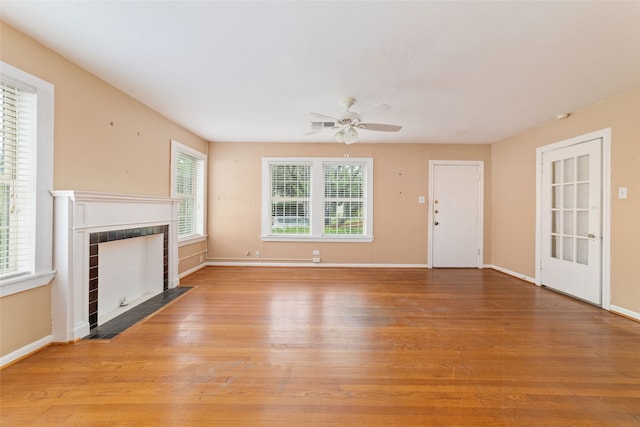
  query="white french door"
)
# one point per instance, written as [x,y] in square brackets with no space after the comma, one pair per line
[455,214]
[571,220]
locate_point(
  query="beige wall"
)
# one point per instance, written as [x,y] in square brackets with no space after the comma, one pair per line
[25,317]
[105,141]
[189,257]
[400,223]
[514,184]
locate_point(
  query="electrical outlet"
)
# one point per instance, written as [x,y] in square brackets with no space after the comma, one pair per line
[622,193]
[257,254]
[316,259]
[201,258]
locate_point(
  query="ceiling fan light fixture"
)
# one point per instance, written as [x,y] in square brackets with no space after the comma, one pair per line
[339,137]
[351,136]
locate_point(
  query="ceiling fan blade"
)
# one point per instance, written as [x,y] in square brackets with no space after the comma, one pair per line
[325,117]
[379,126]
[375,109]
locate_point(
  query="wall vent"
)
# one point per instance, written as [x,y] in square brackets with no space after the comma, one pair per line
[321,125]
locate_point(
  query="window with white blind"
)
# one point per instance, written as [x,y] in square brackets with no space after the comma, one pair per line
[188,173]
[317,199]
[26,177]
[344,198]
[290,198]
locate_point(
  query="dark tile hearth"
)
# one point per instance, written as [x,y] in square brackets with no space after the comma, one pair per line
[118,324]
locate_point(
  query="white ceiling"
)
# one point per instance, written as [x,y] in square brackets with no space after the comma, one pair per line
[453,72]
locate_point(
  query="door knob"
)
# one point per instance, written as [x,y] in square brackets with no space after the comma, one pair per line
[591,236]
[435,223]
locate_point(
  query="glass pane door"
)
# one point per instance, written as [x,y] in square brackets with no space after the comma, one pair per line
[571,223]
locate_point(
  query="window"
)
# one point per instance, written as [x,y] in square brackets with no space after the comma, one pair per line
[26,178]
[290,198]
[188,172]
[344,199]
[317,199]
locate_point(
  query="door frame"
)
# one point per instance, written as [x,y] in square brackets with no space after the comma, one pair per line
[480,164]
[605,274]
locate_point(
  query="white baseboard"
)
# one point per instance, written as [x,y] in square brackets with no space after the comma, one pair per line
[511,273]
[25,351]
[624,312]
[324,264]
[190,271]
[308,264]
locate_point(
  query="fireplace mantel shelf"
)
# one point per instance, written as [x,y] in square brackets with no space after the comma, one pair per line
[113,197]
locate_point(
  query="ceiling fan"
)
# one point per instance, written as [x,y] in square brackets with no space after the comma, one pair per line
[347,122]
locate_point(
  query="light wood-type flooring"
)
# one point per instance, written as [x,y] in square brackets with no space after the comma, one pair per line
[270,346]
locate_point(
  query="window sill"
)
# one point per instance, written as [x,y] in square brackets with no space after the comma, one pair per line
[335,239]
[25,283]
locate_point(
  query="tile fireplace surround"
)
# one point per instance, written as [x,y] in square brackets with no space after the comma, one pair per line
[82,219]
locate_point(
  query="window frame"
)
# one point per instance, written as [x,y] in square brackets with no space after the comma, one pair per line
[176,149]
[317,233]
[43,271]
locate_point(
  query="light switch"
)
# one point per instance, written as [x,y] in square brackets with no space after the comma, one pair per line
[421,200]
[622,192]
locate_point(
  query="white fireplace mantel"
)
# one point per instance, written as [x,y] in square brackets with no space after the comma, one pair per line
[77,214]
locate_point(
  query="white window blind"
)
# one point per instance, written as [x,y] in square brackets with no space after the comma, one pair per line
[188,181]
[317,199]
[17,181]
[290,198]
[344,198]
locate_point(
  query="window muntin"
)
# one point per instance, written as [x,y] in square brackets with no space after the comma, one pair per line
[318,199]
[188,171]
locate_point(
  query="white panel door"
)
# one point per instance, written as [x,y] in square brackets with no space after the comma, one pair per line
[571,212]
[456,219]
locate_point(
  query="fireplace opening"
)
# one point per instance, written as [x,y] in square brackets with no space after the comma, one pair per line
[126,267]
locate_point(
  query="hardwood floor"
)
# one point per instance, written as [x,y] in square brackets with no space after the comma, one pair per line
[326,347]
